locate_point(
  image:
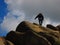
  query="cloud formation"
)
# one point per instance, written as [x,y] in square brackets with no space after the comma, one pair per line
[20,10]
[12,20]
[49,8]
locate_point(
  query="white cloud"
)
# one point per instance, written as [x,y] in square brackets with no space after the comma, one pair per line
[28,9]
[14,4]
[12,19]
[49,8]
[14,16]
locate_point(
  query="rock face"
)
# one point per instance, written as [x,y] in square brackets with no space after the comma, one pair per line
[28,38]
[58,27]
[51,27]
[3,41]
[15,37]
[22,27]
[33,34]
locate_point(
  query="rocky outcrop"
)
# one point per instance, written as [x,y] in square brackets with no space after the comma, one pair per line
[58,27]
[15,37]
[25,26]
[33,34]
[51,27]
[3,41]
[50,38]
[28,38]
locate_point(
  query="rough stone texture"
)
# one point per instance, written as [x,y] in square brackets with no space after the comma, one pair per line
[52,39]
[33,34]
[15,37]
[28,38]
[25,26]
[51,27]
[58,27]
[5,42]
[32,38]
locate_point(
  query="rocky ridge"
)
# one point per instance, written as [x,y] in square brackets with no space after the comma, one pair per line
[28,33]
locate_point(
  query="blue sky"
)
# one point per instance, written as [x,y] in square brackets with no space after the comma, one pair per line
[3,12]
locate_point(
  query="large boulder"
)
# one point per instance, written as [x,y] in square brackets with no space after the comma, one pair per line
[28,38]
[22,27]
[26,26]
[3,41]
[58,27]
[15,37]
[51,27]
[51,38]
[33,38]
[32,34]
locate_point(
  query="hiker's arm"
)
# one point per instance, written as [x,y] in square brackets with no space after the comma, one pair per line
[36,17]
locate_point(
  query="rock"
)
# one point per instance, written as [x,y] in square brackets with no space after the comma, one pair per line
[5,42]
[57,42]
[22,27]
[2,41]
[36,24]
[51,27]
[26,26]
[28,38]
[58,27]
[15,37]
[32,34]
[51,38]
[32,38]
[9,43]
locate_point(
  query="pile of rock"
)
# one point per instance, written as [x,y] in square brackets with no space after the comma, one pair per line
[31,34]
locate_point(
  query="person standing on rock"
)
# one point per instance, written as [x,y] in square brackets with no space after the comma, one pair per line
[40,18]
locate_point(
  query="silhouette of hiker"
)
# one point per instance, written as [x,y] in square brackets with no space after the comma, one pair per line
[40,18]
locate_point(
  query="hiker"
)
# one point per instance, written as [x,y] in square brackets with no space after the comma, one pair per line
[40,18]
